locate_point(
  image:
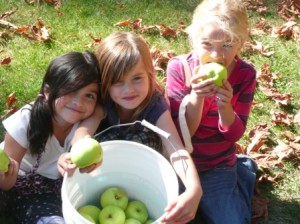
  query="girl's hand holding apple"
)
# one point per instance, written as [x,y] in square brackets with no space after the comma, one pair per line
[204,88]
[65,165]
[12,171]
[225,93]
[86,154]
[4,161]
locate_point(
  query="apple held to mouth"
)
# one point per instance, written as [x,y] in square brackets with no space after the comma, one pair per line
[114,196]
[91,211]
[214,71]
[4,161]
[112,215]
[137,210]
[86,152]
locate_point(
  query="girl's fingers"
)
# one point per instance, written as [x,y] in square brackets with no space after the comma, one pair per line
[90,168]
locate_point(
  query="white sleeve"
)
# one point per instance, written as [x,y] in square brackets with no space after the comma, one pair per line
[16,125]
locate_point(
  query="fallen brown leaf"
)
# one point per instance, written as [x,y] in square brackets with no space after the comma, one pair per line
[289,9]
[256,5]
[259,208]
[137,24]
[7,14]
[283,151]
[281,118]
[257,47]
[285,30]
[6,61]
[123,23]
[297,118]
[265,80]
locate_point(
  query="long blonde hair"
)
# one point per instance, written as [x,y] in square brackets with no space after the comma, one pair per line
[230,16]
[117,55]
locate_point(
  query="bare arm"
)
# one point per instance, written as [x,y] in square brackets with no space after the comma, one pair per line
[89,126]
[16,153]
[185,207]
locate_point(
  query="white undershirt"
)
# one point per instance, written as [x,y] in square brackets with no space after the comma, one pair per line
[16,125]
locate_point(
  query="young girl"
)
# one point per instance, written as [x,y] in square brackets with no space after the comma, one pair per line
[41,131]
[130,92]
[215,116]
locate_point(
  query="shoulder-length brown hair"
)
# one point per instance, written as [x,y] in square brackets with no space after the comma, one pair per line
[117,55]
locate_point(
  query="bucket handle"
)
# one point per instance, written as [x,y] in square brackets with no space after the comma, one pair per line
[152,127]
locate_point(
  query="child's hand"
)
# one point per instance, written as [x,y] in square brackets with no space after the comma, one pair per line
[182,210]
[65,165]
[224,95]
[90,168]
[13,169]
[203,87]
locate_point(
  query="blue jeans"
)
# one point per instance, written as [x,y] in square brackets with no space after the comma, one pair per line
[227,193]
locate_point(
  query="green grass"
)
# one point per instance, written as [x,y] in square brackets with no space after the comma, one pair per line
[70,32]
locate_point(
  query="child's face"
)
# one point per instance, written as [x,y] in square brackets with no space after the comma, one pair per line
[132,90]
[216,46]
[77,105]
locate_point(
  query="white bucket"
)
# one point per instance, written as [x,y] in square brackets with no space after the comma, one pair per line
[141,171]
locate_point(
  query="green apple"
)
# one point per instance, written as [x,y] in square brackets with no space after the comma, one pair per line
[85,152]
[214,71]
[112,215]
[149,221]
[89,218]
[114,196]
[132,221]
[137,210]
[4,161]
[90,210]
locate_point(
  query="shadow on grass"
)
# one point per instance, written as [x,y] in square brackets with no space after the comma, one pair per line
[283,212]
[280,211]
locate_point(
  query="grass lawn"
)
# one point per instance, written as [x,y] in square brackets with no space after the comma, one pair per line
[77,26]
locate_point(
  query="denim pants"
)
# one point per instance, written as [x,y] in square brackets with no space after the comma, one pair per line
[227,193]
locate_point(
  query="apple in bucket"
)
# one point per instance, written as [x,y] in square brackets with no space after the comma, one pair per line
[89,218]
[85,152]
[137,210]
[132,221]
[112,214]
[114,196]
[215,71]
[116,207]
[90,211]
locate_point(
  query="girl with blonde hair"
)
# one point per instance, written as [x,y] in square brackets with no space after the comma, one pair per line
[211,118]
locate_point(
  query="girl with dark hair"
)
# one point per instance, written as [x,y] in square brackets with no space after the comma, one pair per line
[40,132]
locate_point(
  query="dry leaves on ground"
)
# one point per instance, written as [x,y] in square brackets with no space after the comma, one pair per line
[287,148]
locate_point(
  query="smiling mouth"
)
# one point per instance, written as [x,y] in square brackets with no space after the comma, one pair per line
[130,98]
[74,110]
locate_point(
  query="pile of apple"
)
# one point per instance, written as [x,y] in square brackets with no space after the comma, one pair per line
[116,208]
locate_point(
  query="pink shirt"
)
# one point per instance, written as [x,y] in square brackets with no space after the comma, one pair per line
[212,146]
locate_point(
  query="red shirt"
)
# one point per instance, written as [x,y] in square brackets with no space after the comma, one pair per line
[212,146]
